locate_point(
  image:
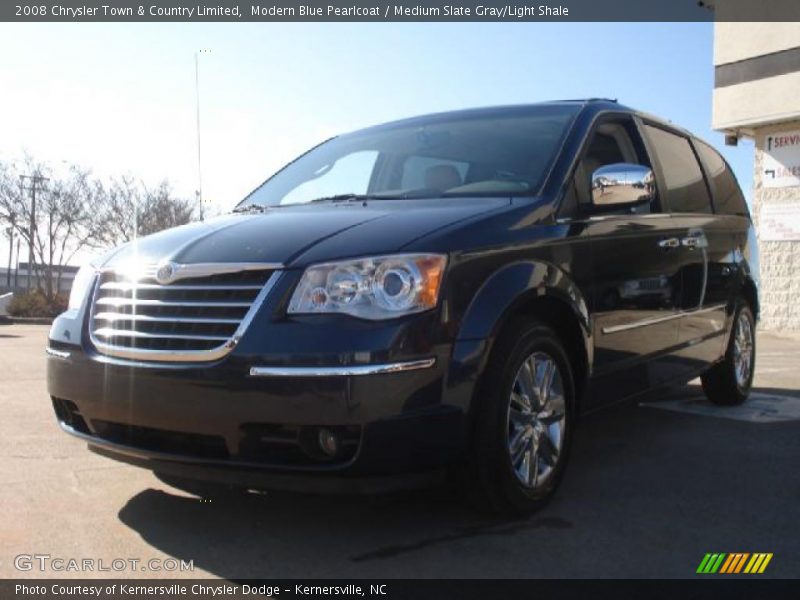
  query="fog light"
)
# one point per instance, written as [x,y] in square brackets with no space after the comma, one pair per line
[328,441]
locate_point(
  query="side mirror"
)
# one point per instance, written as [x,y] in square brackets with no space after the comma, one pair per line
[622,184]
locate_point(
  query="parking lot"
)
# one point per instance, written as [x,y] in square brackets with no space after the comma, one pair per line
[652,486]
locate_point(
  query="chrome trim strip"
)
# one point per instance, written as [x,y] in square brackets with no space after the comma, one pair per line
[656,320]
[113,316]
[186,271]
[188,356]
[57,353]
[127,287]
[127,333]
[343,371]
[642,323]
[111,301]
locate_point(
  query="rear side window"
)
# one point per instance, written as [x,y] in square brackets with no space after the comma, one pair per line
[686,190]
[728,197]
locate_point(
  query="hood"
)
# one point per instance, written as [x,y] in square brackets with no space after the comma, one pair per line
[297,235]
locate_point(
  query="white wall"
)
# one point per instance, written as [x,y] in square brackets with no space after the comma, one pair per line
[779,261]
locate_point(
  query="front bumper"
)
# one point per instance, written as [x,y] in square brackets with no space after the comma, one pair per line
[231,423]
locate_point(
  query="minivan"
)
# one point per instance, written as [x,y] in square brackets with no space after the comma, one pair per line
[433,299]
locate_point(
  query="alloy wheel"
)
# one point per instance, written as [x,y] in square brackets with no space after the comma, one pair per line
[536,420]
[743,350]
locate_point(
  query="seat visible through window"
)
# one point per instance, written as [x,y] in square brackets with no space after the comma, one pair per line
[442,178]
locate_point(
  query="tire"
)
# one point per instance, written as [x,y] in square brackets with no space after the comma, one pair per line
[202,489]
[498,481]
[725,384]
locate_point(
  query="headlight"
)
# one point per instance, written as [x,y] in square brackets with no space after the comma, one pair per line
[380,287]
[80,286]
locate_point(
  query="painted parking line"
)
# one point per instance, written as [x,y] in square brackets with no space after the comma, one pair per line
[759,408]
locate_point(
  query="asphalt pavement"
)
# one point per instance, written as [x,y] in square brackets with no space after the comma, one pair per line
[652,487]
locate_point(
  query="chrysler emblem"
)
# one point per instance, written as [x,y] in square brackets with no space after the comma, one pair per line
[166,273]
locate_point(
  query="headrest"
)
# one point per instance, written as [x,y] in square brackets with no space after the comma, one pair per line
[442,178]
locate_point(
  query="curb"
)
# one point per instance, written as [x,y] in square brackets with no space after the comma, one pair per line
[5,320]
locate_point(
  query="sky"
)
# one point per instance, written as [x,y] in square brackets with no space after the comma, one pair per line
[120,98]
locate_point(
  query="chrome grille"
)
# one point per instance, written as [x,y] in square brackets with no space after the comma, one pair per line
[198,317]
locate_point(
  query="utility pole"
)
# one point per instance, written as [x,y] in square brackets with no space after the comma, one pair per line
[16,268]
[35,181]
[197,104]
[12,218]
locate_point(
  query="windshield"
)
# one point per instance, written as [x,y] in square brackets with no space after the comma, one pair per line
[500,152]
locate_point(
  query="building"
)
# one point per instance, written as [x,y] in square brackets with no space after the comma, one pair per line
[16,280]
[757,96]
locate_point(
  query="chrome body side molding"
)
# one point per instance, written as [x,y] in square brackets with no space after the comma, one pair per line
[342,371]
[655,320]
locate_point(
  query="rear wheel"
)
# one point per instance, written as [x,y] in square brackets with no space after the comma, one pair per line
[729,382]
[524,420]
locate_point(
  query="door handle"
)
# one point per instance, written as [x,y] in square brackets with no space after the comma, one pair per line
[691,242]
[669,243]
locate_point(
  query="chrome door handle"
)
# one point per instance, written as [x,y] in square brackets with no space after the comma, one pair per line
[669,243]
[690,242]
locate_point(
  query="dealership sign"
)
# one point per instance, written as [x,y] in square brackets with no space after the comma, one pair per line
[779,222]
[782,160]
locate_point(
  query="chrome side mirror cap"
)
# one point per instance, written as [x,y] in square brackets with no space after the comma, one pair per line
[622,184]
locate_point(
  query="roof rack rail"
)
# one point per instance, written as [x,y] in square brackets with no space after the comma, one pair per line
[587,100]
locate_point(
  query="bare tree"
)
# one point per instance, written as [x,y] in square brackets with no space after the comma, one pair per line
[133,210]
[162,210]
[121,199]
[77,212]
[68,217]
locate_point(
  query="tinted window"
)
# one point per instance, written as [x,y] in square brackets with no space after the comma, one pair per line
[686,189]
[728,198]
[500,152]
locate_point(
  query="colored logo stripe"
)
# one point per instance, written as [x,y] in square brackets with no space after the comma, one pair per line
[758,563]
[727,564]
[711,563]
[734,563]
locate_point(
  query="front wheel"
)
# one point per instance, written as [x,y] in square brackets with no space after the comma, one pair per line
[729,382]
[524,420]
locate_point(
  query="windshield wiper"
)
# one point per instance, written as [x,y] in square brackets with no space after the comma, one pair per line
[376,196]
[252,207]
[341,198]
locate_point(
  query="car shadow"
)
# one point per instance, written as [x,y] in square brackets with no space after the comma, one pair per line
[696,391]
[628,469]
[248,536]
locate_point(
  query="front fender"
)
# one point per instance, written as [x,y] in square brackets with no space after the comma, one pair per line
[498,299]
[513,286]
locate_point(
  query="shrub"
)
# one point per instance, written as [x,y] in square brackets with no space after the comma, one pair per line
[35,304]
